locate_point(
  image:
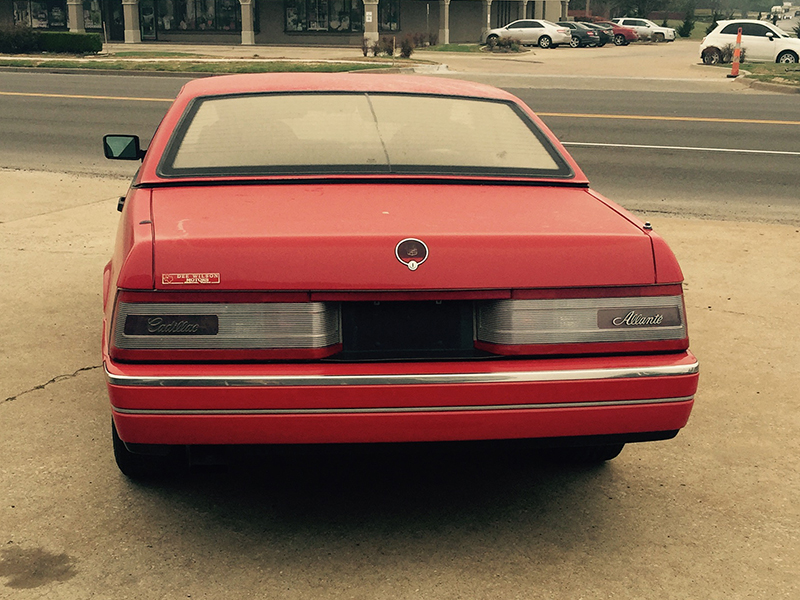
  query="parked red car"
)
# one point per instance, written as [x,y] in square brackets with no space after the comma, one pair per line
[622,35]
[307,258]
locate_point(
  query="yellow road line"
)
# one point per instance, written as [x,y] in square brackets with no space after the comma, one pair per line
[664,118]
[84,97]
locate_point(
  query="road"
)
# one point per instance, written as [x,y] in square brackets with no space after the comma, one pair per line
[712,154]
[711,514]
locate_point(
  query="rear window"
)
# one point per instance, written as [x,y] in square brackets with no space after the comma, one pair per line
[357,133]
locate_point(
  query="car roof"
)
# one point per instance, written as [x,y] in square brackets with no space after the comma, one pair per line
[338,82]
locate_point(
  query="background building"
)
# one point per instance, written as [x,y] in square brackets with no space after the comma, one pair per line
[296,22]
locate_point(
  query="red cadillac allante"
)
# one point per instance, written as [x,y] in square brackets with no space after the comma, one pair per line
[365,258]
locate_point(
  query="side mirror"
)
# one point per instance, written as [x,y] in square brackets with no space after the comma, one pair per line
[771,36]
[122,147]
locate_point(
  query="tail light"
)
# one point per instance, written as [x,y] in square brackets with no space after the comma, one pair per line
[151,327]
[582,325]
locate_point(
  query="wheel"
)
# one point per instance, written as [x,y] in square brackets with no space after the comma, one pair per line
[711,56]
[574,43]
[601,44]
[545,41]
[492,40]
[154,462]
[619,40]
[659,37]
[787,56]
[589,454]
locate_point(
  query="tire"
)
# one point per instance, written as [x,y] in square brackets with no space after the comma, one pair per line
[574,43]
[711,56]
[658,38]
[158,463]
[492,40]
[619,40]
[786,57]
[545,41]
[588,455]
[601,44]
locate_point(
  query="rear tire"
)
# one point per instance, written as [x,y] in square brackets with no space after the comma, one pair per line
[492,40]
[711,56]
[787,57]
[156,462]
[619,40]
[574,43]
[545,41]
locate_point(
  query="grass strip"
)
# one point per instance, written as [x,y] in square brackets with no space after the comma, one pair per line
[197,66]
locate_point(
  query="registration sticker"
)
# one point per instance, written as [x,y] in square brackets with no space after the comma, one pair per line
[189,278]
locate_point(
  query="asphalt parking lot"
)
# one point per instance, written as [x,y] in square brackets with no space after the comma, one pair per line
[710,514]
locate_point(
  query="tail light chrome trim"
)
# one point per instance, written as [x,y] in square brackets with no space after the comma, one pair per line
[581,320]
[289,325]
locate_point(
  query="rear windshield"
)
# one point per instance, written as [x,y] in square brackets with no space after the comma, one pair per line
[357,133]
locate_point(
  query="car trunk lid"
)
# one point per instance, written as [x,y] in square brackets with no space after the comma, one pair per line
[343,237]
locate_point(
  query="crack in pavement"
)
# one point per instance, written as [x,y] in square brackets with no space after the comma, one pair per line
[55,379]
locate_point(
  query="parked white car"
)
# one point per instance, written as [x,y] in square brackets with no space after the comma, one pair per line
[532,31]
[647,30]
[761,42]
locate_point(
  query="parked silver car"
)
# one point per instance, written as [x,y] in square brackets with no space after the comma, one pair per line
[648,30]
[532,32]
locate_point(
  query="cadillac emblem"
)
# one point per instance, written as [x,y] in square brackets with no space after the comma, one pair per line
[411,252]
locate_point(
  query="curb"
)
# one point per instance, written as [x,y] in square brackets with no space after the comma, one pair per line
[767,87]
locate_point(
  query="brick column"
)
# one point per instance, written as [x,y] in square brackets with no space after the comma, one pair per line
[130,14]
[487,18]
[371,20]
[444,21]
[248,24]
[75,16]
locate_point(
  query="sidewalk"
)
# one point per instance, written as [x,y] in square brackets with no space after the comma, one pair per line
[677,60]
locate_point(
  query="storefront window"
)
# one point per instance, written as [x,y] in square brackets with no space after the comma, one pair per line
[41,14]
[199,15]
[388,15]
[92,17]
[324,15]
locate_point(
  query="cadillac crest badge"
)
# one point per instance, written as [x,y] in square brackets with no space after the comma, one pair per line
[411,252]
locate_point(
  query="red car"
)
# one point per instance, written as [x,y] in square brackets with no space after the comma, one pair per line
[622,35]
[308,258]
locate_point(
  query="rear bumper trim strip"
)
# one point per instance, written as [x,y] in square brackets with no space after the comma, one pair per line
[411,409]
[402,379]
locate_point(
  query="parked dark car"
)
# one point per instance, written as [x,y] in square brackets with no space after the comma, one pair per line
[622,35]
[606,33]
[582,34]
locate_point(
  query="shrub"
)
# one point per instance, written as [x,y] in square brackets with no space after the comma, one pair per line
[72,43]
[24,40]
[685,28]
[505,45]
[19,40]
[407,46]
[384,46]
[796,30]
[365,46]
[726,53]
[714,17]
